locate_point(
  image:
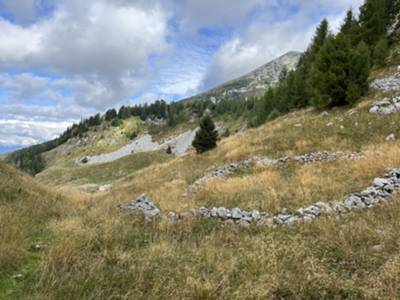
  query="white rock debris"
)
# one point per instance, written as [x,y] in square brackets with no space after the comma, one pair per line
[179,146]
[386,107]
[391,137]
[387,84]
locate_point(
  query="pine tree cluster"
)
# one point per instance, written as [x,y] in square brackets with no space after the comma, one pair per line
[334,70]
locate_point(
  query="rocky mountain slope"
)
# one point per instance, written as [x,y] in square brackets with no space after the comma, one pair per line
[253,83]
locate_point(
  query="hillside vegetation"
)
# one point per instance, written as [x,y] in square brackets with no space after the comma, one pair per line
[26,210]
[93,250]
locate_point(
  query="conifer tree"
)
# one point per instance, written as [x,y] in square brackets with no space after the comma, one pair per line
[351,28]
[358,73]
[339,75]
[380,52]
[111,114]
[374,20]
[303,92]
[321,78]
[206,137]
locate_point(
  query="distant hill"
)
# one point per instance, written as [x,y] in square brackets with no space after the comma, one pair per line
[253,83]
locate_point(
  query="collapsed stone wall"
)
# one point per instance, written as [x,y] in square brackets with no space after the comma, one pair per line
[381,192]
[231,168]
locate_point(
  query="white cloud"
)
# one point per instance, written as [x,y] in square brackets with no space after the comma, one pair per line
[211,13]
[106,44]
[272,33]
[100,53]
[19,132]
[97,37]
[23,10]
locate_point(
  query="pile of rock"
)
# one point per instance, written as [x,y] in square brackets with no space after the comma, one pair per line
[142,205]
[231,168]
[236,215]
[380,192]
[386,107]
[105,187]
[387,84]
[325,156]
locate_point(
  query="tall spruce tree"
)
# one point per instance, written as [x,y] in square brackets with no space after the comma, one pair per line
[358,73]
[300,98]
[351,28]
[374,20]
[206,137]
[340,72]
[326,77]
[380,52]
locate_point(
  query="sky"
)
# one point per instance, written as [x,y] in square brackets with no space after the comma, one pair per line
[64,60]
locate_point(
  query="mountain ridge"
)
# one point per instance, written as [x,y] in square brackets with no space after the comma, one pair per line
[252,83]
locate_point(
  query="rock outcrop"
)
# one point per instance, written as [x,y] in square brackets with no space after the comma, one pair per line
[387,106]
[387,84]
[255,82]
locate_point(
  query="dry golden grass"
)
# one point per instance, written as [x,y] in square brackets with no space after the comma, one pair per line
[103,255]
[95,252]
[272,189]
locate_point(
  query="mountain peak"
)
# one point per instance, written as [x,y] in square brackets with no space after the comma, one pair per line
[254,83]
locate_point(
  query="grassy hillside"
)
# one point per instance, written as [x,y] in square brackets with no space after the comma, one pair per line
[94,251]
[26,208]
[71,173]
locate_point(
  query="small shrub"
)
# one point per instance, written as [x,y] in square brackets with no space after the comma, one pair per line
[226,133]
[132,135]
[116,123]
[273,115]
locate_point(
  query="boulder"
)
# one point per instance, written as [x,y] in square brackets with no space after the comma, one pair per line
[380,182]
[390,137]
[236,213]
[105,187]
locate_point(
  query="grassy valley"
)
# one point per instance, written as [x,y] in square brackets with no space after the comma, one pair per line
[64,237]
[93,250]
